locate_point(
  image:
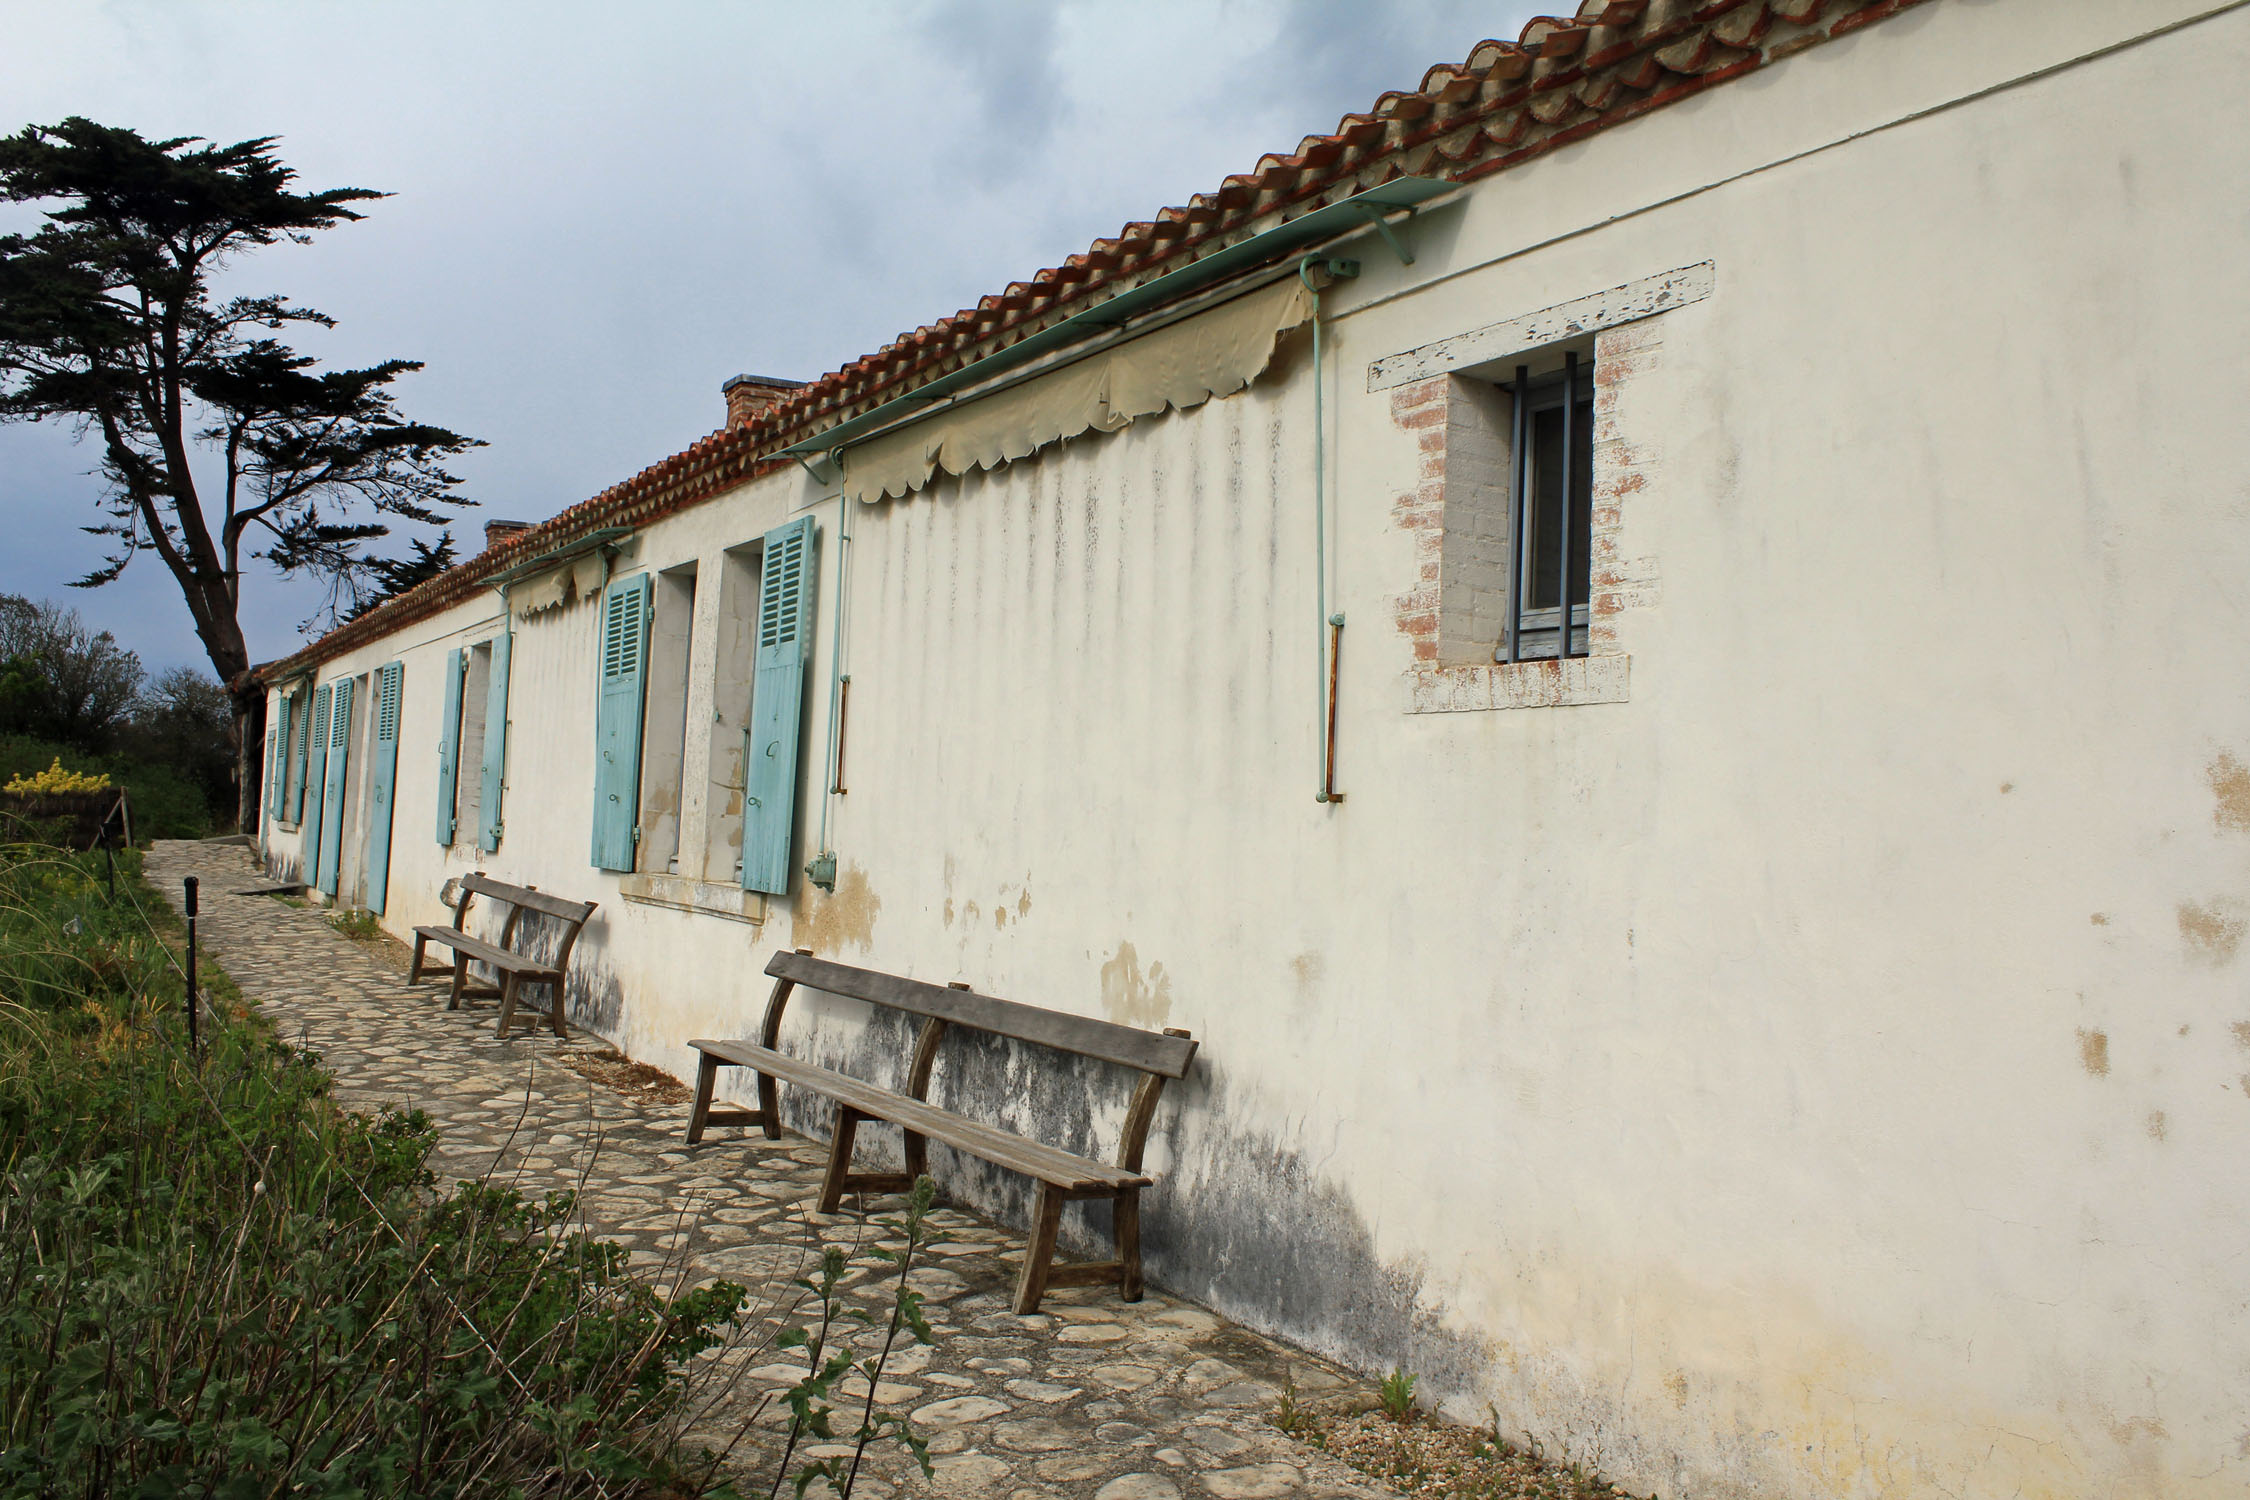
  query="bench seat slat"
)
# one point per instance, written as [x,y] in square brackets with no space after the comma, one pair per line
[492,953]
[1129,1046]
[1002,1148]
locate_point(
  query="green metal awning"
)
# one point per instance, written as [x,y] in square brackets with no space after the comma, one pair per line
[564,553]
[1362,210]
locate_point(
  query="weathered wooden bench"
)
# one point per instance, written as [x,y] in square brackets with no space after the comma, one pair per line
[515,968]
[1061,1175]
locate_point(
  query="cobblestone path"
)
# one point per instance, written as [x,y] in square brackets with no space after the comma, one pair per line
[1093,1397]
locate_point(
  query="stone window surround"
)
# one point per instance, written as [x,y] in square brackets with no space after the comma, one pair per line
[1453,615]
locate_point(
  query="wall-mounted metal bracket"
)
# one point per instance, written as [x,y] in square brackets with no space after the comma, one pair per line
[1388,230]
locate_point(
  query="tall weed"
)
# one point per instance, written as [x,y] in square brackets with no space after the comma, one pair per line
[215,1283]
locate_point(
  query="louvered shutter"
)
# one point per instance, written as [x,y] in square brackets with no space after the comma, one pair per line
[332,799]
[277,774]
[617,722]
[770,746]
[449,742]
[382,783]
[293,799]
[495,745]
[316,768]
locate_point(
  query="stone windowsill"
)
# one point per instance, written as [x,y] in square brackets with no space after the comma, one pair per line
[1477,686]
[708,897]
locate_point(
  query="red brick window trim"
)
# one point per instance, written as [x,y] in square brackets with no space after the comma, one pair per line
[1458,514]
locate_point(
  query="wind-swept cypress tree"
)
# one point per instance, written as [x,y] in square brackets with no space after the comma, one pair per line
[218,439]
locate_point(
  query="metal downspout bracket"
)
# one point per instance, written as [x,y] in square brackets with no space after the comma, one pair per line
[1329,647]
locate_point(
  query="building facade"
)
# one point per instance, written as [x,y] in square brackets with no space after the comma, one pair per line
[1662,689]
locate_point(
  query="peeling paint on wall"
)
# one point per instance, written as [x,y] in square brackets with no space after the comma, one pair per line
[2230,793]
[1132,998]
[827,922]
[2210,933]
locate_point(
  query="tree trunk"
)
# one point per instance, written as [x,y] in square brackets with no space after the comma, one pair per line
[249,758]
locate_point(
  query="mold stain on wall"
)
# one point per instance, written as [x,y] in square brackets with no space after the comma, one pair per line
[2093,1052]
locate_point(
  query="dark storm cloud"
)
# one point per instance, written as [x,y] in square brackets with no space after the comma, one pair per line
[601,213]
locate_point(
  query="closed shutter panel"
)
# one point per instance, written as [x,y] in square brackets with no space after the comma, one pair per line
[293,807]
[277,775]
[495,745]
[382,784]
[770,746]
[449,742]
[617,722]
[316,768]
[332,800]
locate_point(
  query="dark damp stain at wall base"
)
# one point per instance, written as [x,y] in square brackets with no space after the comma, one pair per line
[1245,1224]
[1236,1220]
[596,1000]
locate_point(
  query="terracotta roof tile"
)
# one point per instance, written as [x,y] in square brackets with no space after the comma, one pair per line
[1562,78]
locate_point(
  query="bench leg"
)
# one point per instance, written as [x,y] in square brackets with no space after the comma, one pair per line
[706,1081]
[917,1152]
[507,1003]
[839,1159]
[769,1106]
[1126,1218]
[414,972]
[1046,1220]
[460,982]
[554,1015]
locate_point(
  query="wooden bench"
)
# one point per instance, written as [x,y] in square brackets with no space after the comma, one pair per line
[515,968]
[1060,1174]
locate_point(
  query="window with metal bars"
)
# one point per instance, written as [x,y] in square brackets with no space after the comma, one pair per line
[1550,511]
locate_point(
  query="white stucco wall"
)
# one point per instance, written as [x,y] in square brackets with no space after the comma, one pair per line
[1825,1072]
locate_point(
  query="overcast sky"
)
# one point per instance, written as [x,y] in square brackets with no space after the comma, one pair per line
[602,211]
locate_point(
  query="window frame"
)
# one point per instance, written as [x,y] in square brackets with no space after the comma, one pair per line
[1535,634]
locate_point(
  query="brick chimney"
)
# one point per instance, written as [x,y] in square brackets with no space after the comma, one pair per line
[497,532]
[747,395]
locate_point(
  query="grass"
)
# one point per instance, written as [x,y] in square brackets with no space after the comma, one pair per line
[1418,1454]
[358,924]
[213,1282]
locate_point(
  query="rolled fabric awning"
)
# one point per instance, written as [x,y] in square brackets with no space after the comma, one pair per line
[1180,366]
[580,578]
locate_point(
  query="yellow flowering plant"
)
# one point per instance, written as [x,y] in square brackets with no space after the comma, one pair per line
[56,779]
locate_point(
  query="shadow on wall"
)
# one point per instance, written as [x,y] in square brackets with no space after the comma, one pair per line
[1237,1220]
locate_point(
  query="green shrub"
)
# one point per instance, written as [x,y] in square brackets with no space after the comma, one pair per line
[166,804]
[213,1282]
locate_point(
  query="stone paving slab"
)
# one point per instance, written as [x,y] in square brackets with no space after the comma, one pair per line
[1093,1397]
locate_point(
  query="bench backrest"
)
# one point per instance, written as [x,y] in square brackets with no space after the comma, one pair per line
[519,895]
[1161,1053]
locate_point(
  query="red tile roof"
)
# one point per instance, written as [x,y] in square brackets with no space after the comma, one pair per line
[1562,79]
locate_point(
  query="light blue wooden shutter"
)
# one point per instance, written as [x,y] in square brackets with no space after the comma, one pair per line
[293,799]
[617,722]
[382,783]
[777,699]
[277,775]
[495,744]
[332,798]
[316,767]
[449,742]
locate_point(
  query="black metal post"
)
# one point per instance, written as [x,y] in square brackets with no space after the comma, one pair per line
[1569,459]
[1519,512]
[195,1044]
